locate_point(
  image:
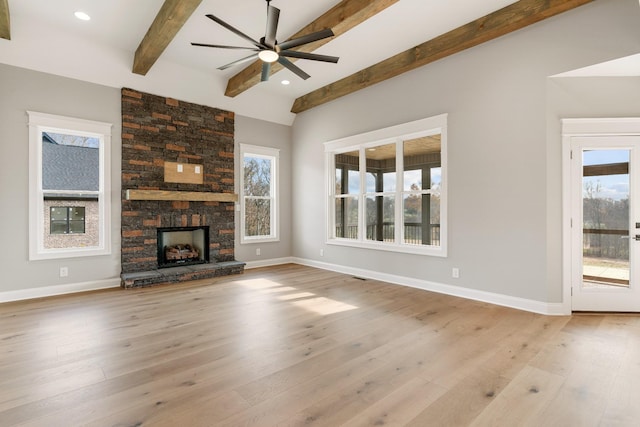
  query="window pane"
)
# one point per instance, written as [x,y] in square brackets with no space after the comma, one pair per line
[413,180]
[436,179]
[389,182]
[346,216]
[58,227]
[76,227]
[381,168]
[70,162]
[257,176]
[380,214]
[76,213]
[354,182]
[434,226]
[257,217]
[347,173]
[371,182]
[59,214]
[421,162]
[421,219]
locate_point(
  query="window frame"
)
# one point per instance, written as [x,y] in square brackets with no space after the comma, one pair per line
[361,142]
[40,123]
[272,154]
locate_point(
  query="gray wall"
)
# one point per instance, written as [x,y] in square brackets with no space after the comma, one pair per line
[22,90]
[501,211]
[267,134]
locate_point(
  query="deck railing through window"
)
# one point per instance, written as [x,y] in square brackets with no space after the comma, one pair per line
[412,233]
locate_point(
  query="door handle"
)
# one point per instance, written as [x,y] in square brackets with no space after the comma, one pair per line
[636,237]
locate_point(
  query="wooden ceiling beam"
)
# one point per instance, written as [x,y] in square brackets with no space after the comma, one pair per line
[5,23]
[341,18]
[506,20]
[169,20]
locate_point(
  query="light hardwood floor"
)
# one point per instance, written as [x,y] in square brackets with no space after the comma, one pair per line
[296,346]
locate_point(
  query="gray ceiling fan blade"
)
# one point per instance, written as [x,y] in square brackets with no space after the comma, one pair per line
[312,56]
[224,47]
[239,61]
[319,35]
[266,70]
[273,14]
[293,68]
[235,31]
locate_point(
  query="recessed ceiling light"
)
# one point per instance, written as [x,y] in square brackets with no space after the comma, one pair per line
[285,82]
[82,15]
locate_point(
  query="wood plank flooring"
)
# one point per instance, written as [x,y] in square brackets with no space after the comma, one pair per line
[297,346]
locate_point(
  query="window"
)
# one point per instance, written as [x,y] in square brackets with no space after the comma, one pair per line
[66,220]
[69,183]
[259,201]
[387,188]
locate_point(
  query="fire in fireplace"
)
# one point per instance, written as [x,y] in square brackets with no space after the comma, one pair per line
[179,246]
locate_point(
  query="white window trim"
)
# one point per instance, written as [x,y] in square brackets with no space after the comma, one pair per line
[393,134]
[42,122]
[270,153]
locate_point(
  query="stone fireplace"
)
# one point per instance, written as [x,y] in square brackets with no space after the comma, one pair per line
[177,173]
[180,246]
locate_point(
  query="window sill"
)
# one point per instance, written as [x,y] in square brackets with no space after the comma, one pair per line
[68,253]
[259,240]
[435,251]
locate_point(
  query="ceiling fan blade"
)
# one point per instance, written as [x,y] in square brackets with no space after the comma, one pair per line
[224,47]
[318,35]
[312,56]
[273,14]
[239,61]
[266,70]
[293,68]
[235,31]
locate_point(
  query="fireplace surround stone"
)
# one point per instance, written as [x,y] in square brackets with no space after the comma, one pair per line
[156,130]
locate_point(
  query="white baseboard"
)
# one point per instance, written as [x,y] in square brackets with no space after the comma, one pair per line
[268,262]
[47,291]
[552,309]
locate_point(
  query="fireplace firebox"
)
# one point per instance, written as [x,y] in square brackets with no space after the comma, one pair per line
[178,246]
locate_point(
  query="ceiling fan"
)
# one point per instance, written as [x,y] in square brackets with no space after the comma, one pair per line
[269,50]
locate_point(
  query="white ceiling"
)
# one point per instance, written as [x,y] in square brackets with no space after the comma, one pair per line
[45,36]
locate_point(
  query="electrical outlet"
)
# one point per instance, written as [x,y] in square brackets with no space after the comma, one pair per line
[321,252]
[64,271]
[455,272]
[257,251]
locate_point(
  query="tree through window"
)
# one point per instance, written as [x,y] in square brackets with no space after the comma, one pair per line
[259,202]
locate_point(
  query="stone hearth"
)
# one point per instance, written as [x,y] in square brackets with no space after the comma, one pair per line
[157,130]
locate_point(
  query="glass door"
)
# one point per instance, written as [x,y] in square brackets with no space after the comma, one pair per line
[605,233]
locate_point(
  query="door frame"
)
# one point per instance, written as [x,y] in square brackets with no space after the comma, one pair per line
[626,126]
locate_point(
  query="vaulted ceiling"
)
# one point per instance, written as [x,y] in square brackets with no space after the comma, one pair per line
[146,44]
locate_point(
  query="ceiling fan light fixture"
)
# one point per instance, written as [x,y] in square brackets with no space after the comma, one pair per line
[82,15]
[268,56]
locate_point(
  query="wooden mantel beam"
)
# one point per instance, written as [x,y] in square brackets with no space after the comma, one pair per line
[508,19]
[341,18]
[170,19]
[5,23]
